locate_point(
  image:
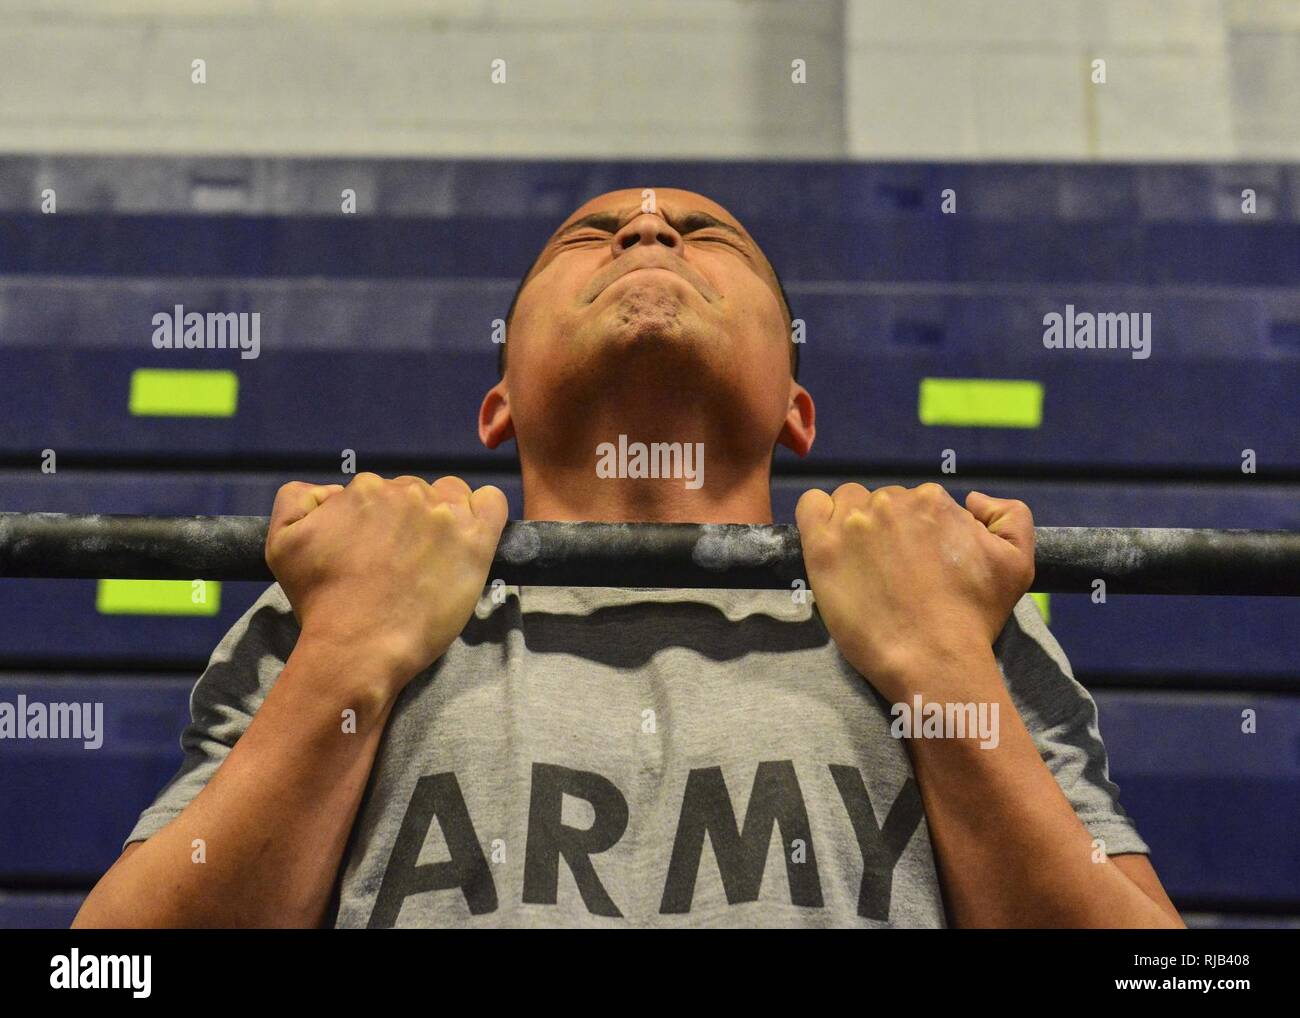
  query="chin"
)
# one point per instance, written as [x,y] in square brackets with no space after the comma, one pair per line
[648,315]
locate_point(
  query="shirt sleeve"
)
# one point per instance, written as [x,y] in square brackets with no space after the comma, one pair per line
[241,671]
[1062,718]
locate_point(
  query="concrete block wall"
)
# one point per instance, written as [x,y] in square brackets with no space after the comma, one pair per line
[396,77]
[996,80]
[886,79]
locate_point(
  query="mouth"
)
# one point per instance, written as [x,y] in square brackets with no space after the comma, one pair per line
[690,277]
[644,268]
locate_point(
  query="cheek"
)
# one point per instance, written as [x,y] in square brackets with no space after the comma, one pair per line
[759,311]
[551,296]
[530,364]
[761,329]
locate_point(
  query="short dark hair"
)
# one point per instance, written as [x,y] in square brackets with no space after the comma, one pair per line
[785,301]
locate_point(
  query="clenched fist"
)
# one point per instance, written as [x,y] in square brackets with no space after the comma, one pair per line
[904,578]
[391,567]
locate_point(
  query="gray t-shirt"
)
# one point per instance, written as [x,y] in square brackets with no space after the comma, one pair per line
[635,757]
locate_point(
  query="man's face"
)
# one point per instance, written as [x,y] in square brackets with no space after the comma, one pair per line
[641,295]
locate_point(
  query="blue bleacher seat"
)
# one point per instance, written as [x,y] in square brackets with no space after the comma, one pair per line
[376,337]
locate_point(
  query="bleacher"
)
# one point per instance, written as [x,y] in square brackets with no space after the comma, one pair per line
[376,336]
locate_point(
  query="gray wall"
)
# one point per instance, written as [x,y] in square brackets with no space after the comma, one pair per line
[949,79]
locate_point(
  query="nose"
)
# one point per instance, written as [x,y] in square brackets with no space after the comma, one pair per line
[647,228]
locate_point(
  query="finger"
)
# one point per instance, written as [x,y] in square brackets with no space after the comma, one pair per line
[489,504]
[849,496]
[452,487]
[296,499]
[1006,518]
[813,510]
[937,492]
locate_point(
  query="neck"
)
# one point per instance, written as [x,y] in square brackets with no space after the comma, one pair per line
[662,446]
[729,494]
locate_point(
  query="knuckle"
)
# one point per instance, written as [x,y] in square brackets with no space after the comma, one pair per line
[441,512]
[407,487]
[859,519]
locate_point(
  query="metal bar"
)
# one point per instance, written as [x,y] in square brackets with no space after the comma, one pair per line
[531,552]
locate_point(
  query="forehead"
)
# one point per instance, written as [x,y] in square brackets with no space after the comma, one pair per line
[670,199]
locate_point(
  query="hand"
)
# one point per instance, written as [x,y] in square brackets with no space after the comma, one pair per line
[393,568]
[903,577]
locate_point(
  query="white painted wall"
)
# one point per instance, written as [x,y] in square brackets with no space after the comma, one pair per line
[955,79]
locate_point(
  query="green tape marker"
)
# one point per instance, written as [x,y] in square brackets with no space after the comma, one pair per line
[157,392]
[1044,606]
[981,403]
[158,597]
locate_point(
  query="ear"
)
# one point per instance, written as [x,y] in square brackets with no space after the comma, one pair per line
[494,423]
[800,427]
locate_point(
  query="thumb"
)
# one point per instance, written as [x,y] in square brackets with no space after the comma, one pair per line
[489,505]
[298,499]
[813,510]
[1006,518]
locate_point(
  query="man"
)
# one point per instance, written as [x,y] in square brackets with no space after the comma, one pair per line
[379,742]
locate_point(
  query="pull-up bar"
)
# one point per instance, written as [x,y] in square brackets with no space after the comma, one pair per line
[532,552]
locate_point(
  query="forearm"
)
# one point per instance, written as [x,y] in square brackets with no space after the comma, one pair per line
[275,817]
[1010,849]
